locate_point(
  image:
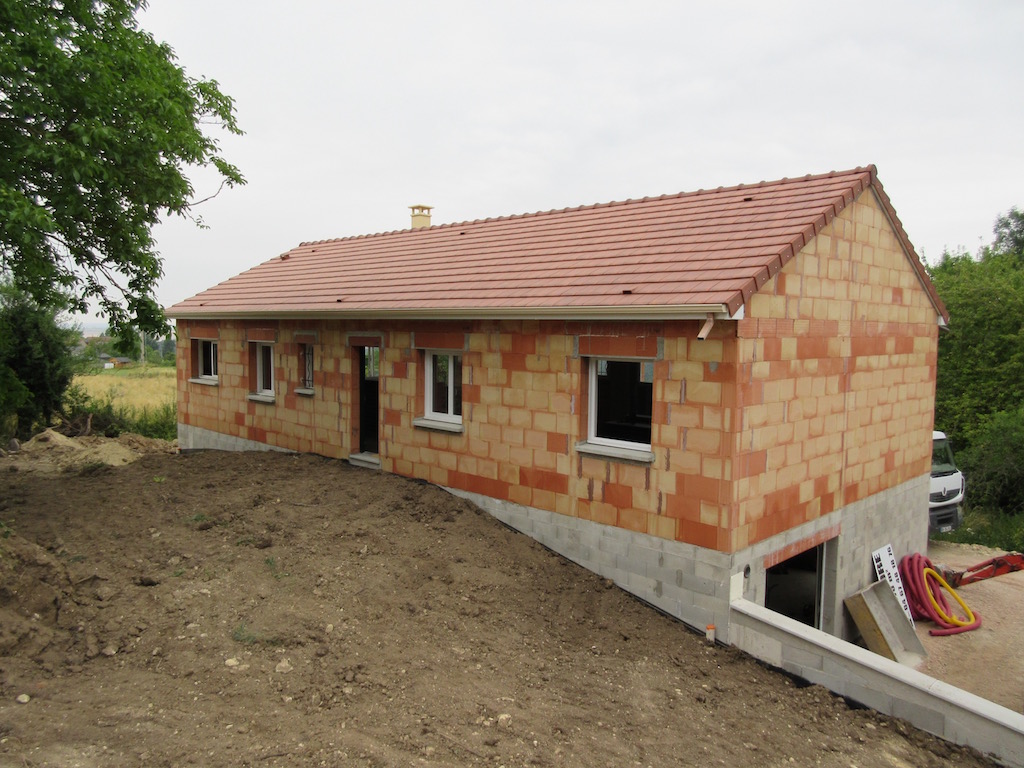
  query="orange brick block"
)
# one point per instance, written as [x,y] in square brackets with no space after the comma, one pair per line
[632,520]
[620,496]
[698,534]
[544,480]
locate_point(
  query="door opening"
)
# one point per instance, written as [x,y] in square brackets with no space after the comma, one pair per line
[795,587]
[369,399]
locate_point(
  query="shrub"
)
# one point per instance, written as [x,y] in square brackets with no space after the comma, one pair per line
[105,417]
[992,463]
[990,528]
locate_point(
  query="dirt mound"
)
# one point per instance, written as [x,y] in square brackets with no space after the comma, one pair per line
[277,610]
[33,588]
[50,451]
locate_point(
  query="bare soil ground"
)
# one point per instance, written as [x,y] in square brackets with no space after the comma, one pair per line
[220,609]
[988,661]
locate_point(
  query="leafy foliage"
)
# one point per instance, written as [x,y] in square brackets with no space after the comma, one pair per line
[990,528]
[36,363]
[981,356]
[97,125]
[110,418]
[1009,231]
[980,382]
[993,460]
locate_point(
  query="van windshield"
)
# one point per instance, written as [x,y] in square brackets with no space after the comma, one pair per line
[942,458]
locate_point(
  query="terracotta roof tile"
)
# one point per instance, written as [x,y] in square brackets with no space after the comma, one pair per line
[677,254]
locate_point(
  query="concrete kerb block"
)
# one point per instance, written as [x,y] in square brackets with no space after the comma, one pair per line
[985,729]
[541,516]
[618,534]
[640,553]
[696,616]
[869,696]
[640,584]
[667,575]
[544,532]
[604,559]
[697,584]
[614,546]
[803,657]
[677,595]
[712,572]
[922,716]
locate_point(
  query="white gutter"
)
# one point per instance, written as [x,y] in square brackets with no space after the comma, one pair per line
[689,312]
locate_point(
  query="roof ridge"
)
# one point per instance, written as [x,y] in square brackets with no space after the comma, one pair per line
[870,169]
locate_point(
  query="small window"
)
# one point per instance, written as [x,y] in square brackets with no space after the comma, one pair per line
[203,361]
[207,359]
[621,403]
[306,365]
[443,395]
[264,369]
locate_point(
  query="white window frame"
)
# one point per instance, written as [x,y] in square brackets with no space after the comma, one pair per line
[428,399]
[200,374]
[212,373]
[592,437]
[261,369]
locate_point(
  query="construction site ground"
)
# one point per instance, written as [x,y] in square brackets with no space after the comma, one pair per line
[241,609]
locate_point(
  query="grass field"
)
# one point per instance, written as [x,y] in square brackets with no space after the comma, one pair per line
[131,388]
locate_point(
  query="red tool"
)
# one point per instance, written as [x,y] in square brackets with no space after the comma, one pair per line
[997,566]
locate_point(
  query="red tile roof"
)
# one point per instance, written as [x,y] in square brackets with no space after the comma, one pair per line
[678,255]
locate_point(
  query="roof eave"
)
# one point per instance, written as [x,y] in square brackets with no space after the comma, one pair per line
[670,312]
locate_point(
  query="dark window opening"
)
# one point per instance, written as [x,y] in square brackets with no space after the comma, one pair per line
[625,393]
[208,359]
[793,587]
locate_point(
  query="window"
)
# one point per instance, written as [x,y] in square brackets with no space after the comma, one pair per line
[263,364]
[621,399]
[306,366]
[204,361]
[207,359]
[443,392]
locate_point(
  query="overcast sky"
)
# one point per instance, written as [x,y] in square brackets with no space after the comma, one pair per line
[354,111]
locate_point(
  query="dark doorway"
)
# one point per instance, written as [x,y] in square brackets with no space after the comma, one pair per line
[794,587]
[369,399]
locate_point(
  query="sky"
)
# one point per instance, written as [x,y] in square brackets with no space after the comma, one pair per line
[352,112]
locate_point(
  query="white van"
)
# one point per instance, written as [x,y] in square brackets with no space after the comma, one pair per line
[946,495]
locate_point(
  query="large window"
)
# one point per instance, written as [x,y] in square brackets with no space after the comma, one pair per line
[443,392]
[621,397]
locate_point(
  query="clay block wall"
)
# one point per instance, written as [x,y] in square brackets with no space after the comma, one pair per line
[524,409]
[822,396]
[524,392]
[313,424]
[837,382]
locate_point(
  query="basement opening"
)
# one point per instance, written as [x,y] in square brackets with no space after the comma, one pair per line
[795,587]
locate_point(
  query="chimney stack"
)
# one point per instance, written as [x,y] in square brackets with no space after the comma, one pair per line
[420,216]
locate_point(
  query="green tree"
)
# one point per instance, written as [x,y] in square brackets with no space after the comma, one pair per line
[35,359]
[981,355]
[98,125]
[993,462]
[1009,232]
